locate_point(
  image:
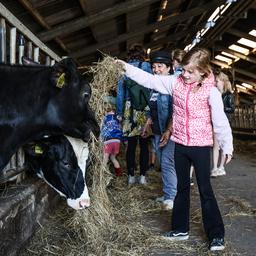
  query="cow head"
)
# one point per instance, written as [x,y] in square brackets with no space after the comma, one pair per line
[74,96]
[74,86]
[55,160]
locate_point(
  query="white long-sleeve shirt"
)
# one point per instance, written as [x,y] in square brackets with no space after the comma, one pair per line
[166,84]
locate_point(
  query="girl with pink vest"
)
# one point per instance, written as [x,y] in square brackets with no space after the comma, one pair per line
[197,112]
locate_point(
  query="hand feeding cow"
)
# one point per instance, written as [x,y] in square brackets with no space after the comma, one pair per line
[35,101]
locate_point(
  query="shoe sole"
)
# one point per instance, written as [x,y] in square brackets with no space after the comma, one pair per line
[217,248]
[177,238]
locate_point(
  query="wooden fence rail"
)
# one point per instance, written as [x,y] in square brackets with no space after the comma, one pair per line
[16,41]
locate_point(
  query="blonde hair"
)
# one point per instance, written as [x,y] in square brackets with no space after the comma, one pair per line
[200,59]
[178,54]
[227,87]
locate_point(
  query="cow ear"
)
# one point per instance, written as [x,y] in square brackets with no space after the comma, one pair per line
[65,72]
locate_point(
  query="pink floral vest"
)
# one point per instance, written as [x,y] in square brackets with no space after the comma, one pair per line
[191,113]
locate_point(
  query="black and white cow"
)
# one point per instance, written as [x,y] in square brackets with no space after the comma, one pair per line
[39,100]
[61,161]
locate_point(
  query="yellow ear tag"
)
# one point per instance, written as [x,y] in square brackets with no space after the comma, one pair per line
[61,81]
[38,150]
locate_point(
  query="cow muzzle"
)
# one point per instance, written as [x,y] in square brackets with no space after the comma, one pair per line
[79,203]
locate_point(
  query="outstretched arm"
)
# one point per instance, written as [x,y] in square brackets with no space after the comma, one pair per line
[162,84]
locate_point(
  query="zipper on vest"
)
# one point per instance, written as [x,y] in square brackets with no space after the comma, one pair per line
[187,96]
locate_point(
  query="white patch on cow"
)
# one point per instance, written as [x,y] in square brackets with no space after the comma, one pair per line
[80,203]
[82,152]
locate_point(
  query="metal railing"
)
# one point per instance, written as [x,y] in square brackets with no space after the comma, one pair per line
[244,119]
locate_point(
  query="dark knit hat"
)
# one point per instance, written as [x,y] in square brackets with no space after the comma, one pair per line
[161,56]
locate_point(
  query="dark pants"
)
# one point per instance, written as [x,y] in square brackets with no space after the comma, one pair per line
[200,157]
[130,154]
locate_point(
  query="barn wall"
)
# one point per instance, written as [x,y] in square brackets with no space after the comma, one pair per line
[22,207]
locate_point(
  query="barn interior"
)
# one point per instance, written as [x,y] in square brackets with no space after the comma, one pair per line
[86,29]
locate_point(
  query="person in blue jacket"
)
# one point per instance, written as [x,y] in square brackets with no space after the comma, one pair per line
[111,134]
[161,125]
[133,120]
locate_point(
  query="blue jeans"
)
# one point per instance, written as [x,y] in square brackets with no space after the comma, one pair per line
[165,156]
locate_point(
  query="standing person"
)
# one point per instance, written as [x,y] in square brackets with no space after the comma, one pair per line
[224,86]
[111,134]
[161,114]
[134,115]
[197,109]
[177,56]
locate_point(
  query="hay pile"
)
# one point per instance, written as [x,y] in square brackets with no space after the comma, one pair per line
[240,207]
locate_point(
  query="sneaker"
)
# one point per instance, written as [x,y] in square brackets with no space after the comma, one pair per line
[176,235]
[168,204]
[131,180]
[192,181]
[221,171]
[142,180]
[217,244]
[214,173]
[160,199]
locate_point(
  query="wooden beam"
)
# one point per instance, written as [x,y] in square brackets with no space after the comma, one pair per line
[244,72]
[171,20]
[238,33]
[26,32]
[253,83]
[237,70]
[237,54]
[80,23]
[38,17]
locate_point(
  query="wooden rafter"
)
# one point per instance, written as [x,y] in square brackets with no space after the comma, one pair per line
[38,17]
[236,54]
[83,22]
[166,22]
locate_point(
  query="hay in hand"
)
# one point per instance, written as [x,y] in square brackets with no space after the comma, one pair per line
[105,77]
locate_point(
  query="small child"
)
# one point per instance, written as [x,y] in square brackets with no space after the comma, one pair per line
[224,86]
[111,133]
